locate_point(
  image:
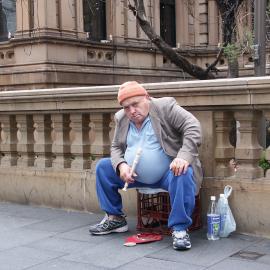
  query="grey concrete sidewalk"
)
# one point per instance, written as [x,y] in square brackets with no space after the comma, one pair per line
[40,238]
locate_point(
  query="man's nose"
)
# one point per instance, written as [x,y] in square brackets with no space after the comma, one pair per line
[132,109]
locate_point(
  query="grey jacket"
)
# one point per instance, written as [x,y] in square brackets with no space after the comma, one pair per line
[177,130]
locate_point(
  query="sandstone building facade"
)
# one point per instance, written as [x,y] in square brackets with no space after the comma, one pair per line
[62,43]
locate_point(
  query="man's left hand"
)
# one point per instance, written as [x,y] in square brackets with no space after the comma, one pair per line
[179,166]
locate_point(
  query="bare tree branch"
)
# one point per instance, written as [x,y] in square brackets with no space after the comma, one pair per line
[228,10]
[180,61]
[211,66]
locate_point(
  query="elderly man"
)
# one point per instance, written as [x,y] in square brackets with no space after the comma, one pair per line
[169,137]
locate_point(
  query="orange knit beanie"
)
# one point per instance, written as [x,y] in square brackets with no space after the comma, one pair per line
[130,89]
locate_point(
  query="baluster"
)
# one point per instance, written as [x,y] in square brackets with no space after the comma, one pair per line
[86,142]
[43,141]
[30,140]
[248,151]
[5,140]
[1,140]
[25,140]
[22,140]
[224,151]
[80,146]
[13,140]
[60,141]
[99,134]
[267,150]
[112,127]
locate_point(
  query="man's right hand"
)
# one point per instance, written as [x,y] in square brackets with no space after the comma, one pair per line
[125,173]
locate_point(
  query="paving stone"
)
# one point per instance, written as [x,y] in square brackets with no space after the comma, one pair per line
[82,234]
[264,259]
[29,211]
[20,237]
[63,223]
[232,264]
[155,264]
[23,257]
[112,253]
[12,222]
[41,238]
[262,246]
[62,264]
[61,245]
[203,251]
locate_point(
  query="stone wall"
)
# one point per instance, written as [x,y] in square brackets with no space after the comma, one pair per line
[51,140]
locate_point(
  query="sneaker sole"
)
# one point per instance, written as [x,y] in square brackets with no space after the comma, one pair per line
[182,248]
[118,230]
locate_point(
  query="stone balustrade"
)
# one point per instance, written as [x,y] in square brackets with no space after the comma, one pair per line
[51,140]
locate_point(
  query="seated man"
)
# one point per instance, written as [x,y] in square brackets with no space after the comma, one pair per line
[169,137]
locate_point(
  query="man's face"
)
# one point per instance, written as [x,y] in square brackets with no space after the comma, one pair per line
[136,109]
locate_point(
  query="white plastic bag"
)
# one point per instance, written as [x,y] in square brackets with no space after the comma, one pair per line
[229,224]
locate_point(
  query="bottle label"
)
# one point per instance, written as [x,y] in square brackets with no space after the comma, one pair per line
[213,222]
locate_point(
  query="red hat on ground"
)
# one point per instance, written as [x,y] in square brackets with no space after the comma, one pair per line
[130,89]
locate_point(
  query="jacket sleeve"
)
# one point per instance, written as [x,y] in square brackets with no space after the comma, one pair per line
[117,148]
[188,127]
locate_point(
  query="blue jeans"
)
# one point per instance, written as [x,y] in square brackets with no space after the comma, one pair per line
[181,190]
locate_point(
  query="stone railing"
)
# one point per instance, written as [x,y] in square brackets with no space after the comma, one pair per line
[51,140]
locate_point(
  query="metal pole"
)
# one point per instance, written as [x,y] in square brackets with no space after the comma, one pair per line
[259,41]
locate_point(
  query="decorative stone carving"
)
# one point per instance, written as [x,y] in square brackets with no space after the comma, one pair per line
[42,141]
[248,151]
[5,140]
[99,134]
[60,141]
[224,151]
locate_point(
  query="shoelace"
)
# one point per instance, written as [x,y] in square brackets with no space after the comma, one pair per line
[179,234]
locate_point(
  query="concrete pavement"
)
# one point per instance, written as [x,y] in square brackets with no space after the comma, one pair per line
[39,238]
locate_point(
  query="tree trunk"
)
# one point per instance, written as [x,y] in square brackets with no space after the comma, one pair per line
[233,65]
[233,69]
[175,57]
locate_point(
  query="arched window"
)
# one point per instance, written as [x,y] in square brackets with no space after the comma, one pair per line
[7,19]
[167,21]
[94,16]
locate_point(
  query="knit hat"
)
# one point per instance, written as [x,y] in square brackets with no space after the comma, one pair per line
[130,89]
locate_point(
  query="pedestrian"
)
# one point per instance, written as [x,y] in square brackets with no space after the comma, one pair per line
[169,137]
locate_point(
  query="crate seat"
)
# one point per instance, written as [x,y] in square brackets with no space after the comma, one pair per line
[153,209]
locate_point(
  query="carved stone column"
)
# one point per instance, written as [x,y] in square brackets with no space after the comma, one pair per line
[13,140]
[80,146]
[25,139]
[60,141]
[224,151]
[22,140]
[213,26]
[267,150]
[116,18]
[5,140]
[182,21]
[43,141]
[99,134]
[248,151]
[112,127]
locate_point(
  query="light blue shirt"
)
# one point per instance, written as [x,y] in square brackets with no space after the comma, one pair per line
[153,162]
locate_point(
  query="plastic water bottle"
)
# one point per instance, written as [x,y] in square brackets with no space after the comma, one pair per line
[222,207]
[213,220]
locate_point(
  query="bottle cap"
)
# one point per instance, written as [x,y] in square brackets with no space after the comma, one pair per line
[221,195]
[213,198]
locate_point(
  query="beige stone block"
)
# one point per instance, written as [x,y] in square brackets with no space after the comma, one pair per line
[248,171]
[206,150]
[247,153]
[224,152]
